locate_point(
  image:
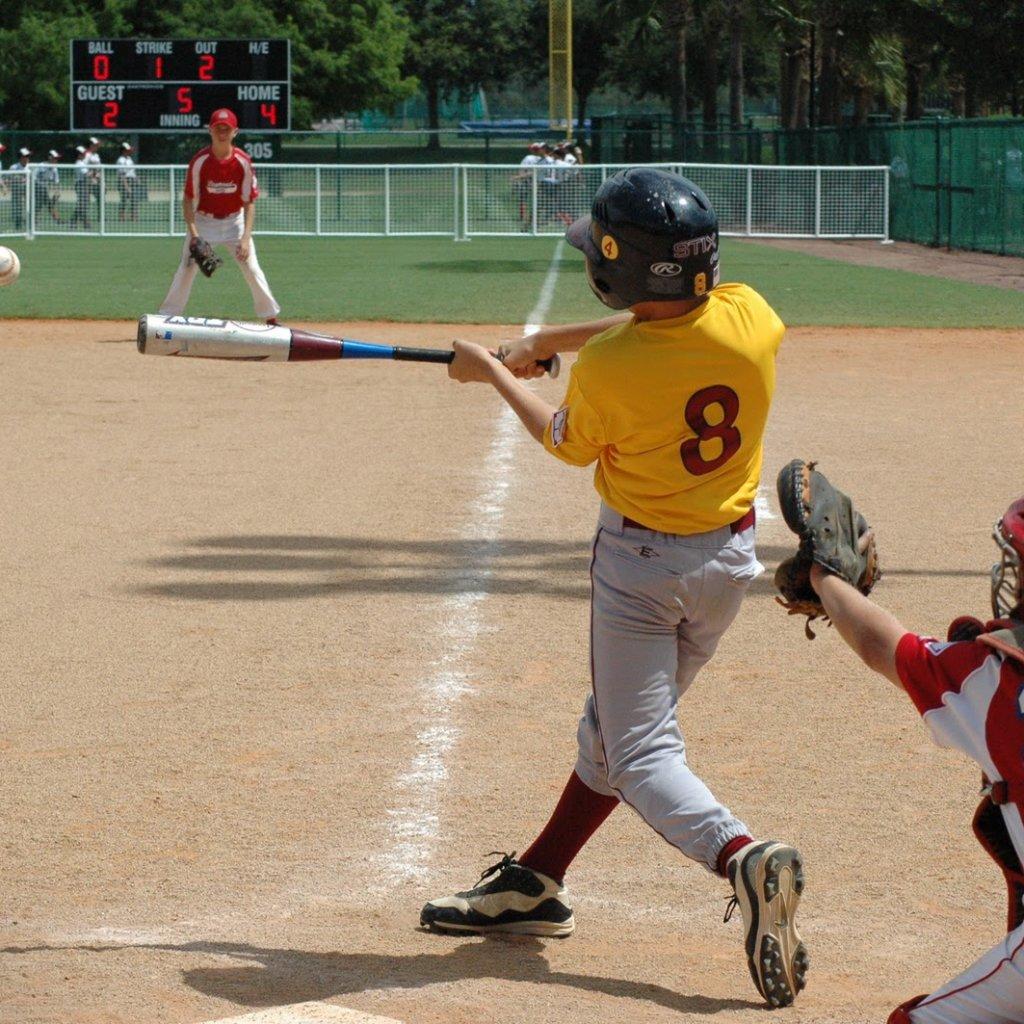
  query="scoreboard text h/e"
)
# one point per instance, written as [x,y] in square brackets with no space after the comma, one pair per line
[139,85]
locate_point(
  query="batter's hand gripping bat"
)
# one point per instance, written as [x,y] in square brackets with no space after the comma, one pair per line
[204,338]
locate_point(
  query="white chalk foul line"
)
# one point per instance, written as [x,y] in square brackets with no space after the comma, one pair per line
[306,1013]
[414,819]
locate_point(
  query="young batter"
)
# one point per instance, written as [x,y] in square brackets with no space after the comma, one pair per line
[970,692]
[218,204]
[671,404]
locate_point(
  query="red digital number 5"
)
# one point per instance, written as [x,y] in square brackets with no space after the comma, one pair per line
[185,100]
[724,430]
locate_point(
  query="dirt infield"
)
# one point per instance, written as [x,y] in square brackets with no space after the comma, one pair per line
[287,649]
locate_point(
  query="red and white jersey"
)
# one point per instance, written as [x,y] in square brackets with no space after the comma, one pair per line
[221,187]
[971,697]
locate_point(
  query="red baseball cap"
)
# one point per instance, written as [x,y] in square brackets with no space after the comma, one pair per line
[224,116]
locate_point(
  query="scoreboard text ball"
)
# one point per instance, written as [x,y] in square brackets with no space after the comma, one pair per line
[140,85]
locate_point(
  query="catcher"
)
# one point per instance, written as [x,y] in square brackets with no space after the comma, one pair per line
[218,207]
[969,690]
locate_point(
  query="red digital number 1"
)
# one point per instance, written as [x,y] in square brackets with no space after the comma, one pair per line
[110,112]
[206,63]
[268,111]
[159,67]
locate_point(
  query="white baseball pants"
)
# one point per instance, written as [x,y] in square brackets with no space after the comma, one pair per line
[990,991]
[223,231]
[659,605]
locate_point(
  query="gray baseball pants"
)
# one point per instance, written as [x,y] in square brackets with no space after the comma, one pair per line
[660,602]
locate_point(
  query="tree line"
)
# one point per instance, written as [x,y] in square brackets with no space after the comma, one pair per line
[825,62]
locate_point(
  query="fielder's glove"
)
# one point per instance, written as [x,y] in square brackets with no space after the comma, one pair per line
[832,533]
[202,252]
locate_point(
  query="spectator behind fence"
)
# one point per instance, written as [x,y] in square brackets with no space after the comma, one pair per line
[81,214]
[522,184]
[127,184]
[19,183]
[554,199]
[92,158]
[47,186]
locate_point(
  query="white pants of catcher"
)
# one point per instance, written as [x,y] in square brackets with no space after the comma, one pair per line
[226,232]
[990,991]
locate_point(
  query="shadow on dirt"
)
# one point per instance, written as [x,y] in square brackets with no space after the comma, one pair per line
[279,977]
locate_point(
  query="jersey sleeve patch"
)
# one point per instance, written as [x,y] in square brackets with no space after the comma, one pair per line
[929,668]
[558,423]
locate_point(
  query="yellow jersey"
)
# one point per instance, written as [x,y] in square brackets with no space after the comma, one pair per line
[674,412]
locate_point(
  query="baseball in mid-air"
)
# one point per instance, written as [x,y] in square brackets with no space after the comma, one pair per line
[10,266]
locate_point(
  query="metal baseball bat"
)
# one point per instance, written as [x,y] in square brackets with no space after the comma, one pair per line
[206,338]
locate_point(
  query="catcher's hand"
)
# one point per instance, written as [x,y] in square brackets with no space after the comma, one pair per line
[202,252]
[832,533]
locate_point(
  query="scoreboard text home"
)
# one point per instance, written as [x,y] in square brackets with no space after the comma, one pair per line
[150,85]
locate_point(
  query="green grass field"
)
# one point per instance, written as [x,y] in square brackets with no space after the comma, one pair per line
[487,280]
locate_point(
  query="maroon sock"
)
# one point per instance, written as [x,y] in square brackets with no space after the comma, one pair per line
[732,847]
[578,815]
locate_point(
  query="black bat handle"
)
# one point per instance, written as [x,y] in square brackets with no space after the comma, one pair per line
[441,355]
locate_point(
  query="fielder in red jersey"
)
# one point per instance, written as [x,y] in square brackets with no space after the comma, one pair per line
[970,691]
[218,204]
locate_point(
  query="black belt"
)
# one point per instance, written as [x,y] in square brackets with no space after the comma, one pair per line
[737,526]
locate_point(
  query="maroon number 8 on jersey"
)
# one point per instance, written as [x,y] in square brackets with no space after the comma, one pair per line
[726,431]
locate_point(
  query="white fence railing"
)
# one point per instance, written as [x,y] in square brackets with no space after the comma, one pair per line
[456,200]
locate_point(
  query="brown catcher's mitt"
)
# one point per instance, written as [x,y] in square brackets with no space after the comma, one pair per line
[206,259]
[832,533]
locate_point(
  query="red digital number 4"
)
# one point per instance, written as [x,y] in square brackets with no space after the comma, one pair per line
[725,430]
[110,112]
[268,111]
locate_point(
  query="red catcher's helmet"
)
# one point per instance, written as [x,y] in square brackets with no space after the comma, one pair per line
[1007,579]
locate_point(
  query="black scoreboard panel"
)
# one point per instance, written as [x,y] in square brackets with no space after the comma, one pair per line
[138,85]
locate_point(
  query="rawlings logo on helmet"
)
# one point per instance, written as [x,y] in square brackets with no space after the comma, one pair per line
[666,269]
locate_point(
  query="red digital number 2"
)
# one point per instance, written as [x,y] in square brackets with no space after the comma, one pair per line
[110,112]
[725,430]
[206,63]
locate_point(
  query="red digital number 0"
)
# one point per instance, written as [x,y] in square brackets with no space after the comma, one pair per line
[725,431]
[184,100]
[101,67]
[268,111]
[110,112]
[206,63]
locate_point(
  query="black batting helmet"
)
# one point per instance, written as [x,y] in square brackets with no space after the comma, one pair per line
[651,237]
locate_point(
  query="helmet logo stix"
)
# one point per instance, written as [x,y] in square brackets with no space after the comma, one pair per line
[694,247]
[666,269]
[609,248]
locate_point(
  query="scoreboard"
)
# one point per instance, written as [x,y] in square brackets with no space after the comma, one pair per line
[149,85]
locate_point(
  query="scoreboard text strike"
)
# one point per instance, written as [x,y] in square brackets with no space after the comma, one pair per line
[139,85]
